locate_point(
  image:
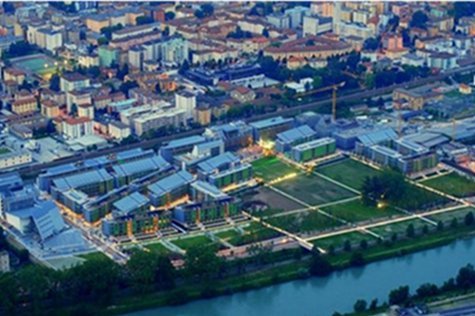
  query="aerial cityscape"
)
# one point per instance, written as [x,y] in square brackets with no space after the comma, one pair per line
[237,158]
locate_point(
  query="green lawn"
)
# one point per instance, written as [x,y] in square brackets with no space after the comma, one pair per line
[339,240]
[400,228]
[349,172]
[313,190]
[269,168]
[185,243]
[303,222]
[97,255]
[356,211]
[4,150]
[253,232]
[228,234]
[157,248]
[453,184]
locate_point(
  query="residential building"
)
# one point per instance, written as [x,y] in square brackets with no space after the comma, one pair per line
[186,101]
[73,81]
[175,51]
[77,127]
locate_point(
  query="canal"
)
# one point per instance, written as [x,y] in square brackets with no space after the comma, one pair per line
[337,292]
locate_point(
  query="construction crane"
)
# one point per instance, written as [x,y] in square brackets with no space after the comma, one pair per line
[335,88]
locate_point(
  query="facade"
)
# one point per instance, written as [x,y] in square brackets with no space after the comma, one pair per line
[314,149]
[119,130]
[292,137]
[170,189]
[77,127]
[24,106]
[186,101]
[73,81]
[175,51]
[224,170]
[267,130]
[10,158]
[108,56]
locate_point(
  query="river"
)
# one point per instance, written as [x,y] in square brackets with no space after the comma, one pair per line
[337,292]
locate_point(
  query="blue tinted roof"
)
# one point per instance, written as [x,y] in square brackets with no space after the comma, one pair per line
[377,136]
[271,122]
[208,189]
[295,134]
[60,169]
[142,165]
[9,180]
[81,179]
[132,153]
[218,161]
[68,239]
[314,143]
[46,218]
[185,141]
[209,144]
[96,162]
[130,203]
[170,183]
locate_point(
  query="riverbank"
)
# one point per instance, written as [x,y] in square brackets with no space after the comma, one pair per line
[283,273]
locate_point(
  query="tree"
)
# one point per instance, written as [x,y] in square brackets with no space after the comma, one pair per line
[357,259]
[319,266]
[347,245]
[74,109]
[454,222]
[265,33]
[202,263]
[469,219]
[184,67]
[425,229]
[466,277]
[373,305]
[169,16]
[126,86]
[360,306]
[317,82]
[21,48]
[204,11]
[462,9]
[410,231]
[108,30]
[419,19]
[399,296]
[440,226]
[427,290]
[141,268]
[364,244]
[371,44]
[141,20]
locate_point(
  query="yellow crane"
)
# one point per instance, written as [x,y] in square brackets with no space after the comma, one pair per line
[333,87]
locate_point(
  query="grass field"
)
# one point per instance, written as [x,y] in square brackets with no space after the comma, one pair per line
[447,216]
[399,228]
[349,172]
[94,256]
[253,232]
[228,234]
[356,211]
[157,248]
[452,184]
[339,240]
[273,199]
[186,243]
[303,222]
[313,190]
[269,168]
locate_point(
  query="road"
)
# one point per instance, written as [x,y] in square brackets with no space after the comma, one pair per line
[35,169]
